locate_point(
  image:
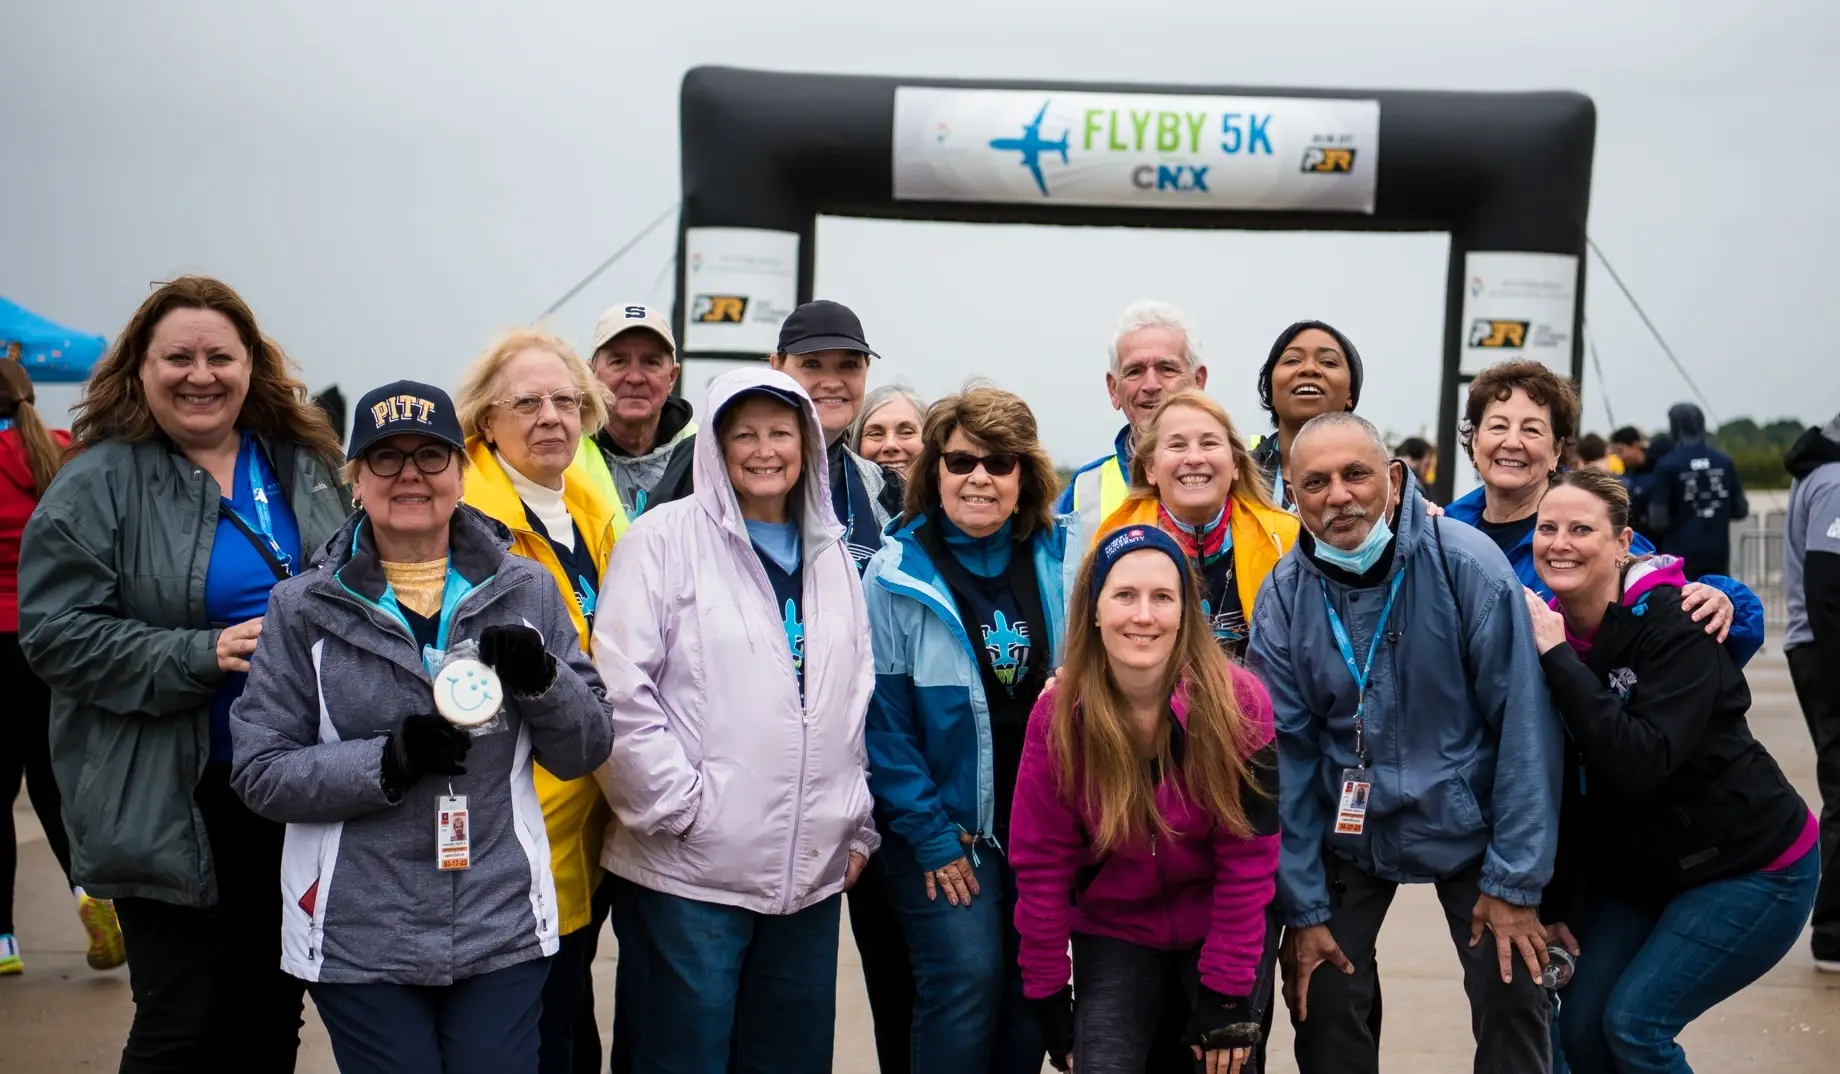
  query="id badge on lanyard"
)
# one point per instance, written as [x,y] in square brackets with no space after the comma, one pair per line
[1356,783]
[453,837]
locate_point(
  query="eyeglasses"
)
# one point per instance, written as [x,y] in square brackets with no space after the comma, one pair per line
[961,463]
[529,404]
[429,459]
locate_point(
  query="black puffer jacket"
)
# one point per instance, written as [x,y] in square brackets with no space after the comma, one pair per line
[1666,789]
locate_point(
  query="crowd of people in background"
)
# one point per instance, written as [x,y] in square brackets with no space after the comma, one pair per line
[1104,771]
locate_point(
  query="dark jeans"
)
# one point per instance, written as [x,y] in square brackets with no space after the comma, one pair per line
[1509,1021]
[570,1034]
[969,1013]
[727,989]
[1817,686]
[1126,996]
[1645,973]
[887,974]
[209,993]
[25,751]
[480,1025]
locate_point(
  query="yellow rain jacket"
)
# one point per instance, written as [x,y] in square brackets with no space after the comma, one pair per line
[574,811]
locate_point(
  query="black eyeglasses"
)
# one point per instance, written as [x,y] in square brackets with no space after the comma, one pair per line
[429,459]
[961,463]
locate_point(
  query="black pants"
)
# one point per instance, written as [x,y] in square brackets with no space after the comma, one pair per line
[25,749]
[571,1037]
[209,993]
[1815,686]
[1509,1021]
[887,974]
[480,1025]
[1133,1003]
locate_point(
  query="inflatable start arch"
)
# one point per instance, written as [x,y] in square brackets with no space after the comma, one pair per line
[1507,175]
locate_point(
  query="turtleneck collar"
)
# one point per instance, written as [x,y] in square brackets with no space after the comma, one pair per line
[986,557]
[545,503]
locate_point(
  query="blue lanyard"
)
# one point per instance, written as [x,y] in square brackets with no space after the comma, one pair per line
[264,526]
[1361,673]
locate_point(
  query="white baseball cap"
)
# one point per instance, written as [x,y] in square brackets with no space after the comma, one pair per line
[620,319]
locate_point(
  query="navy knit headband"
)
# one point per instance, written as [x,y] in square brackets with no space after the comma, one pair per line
[1120,543]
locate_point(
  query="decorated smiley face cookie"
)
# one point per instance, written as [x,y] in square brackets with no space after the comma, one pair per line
[467,693]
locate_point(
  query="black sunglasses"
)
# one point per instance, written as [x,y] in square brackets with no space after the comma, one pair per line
[1001,464]
[429,459]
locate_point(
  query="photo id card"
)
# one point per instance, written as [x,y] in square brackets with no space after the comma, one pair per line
[1351,814]
[452,840]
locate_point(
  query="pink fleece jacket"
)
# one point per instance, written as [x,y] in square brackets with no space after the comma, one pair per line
[1201,885]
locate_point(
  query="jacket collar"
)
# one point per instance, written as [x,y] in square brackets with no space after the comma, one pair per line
[477,545]
[489,488]
[673,422]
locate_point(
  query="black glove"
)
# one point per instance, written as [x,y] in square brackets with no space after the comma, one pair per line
[1055,1015]
[1219,1022]
[517,654]
[425,744]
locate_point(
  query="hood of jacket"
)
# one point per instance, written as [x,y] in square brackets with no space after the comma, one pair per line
[1355,372]
[1686,424]
[1813,449]
[715,493]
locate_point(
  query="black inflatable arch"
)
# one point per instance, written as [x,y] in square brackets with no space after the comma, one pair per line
[1508,172]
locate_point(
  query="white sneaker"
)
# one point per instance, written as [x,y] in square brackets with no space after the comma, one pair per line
[1827,965]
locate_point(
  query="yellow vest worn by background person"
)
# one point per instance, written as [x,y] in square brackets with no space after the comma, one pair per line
[593,466]
[1261,537]
[575,813]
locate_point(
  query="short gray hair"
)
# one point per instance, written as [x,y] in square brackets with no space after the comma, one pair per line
[1339,419]
[1152,313]
[875,401]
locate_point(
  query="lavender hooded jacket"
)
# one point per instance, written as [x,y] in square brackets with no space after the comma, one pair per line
[728,791]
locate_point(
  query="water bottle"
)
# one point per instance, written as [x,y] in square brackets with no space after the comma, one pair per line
[1558,971]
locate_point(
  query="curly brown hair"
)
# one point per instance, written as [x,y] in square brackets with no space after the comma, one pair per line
[1498,383]
[996,421]
[114,406]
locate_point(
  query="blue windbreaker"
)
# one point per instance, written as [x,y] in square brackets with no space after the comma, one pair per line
[930,754]
[1747,630]
[1461,771]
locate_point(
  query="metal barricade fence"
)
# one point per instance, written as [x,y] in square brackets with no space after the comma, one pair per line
[1757,561]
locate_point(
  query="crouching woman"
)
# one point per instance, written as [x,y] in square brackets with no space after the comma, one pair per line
[1145,826]
[418,903]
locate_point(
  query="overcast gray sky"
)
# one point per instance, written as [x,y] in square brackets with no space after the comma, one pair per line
[390,183]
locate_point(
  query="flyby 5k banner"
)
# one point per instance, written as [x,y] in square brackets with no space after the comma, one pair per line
[1141,150]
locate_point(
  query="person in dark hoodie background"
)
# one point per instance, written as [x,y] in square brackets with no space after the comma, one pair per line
[1687,863]
[1695,498]
[1811,581]
[1312,369]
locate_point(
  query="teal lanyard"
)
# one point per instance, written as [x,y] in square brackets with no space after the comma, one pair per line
[1360,673]
[264,525]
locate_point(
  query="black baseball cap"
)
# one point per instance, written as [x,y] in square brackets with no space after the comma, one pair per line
[823,325]
[404,408]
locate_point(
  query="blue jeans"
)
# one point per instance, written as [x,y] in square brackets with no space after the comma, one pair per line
[726,989]
[1645,973]
[480,1025]
[969,1013]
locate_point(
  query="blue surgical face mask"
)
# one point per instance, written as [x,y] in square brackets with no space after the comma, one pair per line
[1362,558]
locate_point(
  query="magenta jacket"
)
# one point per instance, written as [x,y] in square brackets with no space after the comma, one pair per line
[1205,886]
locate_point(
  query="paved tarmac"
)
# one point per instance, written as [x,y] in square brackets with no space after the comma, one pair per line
[62,1016]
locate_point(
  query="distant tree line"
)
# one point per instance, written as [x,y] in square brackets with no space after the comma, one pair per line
[1758,450]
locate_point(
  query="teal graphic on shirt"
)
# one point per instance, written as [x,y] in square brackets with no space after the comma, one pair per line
[1009,648]
[795,634]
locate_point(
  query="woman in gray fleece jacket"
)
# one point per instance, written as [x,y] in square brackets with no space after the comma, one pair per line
[418,903]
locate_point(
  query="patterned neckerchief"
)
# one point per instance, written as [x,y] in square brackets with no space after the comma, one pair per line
[1204,544]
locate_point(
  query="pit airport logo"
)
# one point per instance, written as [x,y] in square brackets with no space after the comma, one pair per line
[719,309]
[1328,160]
[1501,335]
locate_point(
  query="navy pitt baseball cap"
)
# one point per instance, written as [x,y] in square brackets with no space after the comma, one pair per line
[404,408]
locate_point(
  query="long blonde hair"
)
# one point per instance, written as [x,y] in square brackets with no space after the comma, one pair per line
[1097,763]
[1248,481]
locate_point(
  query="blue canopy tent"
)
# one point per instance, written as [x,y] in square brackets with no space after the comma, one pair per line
[51,353]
